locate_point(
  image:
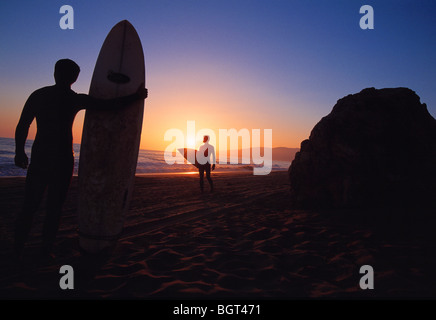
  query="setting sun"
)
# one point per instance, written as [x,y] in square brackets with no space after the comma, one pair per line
[191,142]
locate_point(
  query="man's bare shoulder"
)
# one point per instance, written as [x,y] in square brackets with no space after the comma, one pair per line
[49,92]
[43,90]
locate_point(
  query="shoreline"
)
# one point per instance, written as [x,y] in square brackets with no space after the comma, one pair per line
[147,174]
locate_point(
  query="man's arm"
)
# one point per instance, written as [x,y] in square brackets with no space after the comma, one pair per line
[213,158]
[21,132]
[91,103]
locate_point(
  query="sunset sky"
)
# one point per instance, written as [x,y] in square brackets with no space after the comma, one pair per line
[255,64]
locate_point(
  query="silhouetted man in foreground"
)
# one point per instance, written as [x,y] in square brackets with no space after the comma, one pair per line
[52,160]
[203,157]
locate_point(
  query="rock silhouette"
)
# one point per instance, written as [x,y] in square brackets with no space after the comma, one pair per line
[376,148]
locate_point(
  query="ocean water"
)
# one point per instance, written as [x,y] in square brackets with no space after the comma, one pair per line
[149,161]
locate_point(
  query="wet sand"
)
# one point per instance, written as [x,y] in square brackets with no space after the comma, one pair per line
[242,241]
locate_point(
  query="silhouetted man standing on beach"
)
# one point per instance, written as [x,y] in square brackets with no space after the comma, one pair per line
[52,160]
[203,157]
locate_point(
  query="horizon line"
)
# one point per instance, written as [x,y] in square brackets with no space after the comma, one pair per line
[173,151]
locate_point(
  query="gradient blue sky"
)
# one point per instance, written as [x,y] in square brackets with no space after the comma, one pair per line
[265,64]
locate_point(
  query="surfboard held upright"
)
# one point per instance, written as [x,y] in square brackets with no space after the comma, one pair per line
[110,141]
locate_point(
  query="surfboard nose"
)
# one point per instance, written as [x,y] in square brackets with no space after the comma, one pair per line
[125,22]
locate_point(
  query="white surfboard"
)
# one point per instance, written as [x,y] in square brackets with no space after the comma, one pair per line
[110,141]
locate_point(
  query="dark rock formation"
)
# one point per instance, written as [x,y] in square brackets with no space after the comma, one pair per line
[376,148]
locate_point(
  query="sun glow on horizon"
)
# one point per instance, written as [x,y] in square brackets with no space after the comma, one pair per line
[191,143]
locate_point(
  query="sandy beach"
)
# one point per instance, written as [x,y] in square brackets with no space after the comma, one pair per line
[242,241]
